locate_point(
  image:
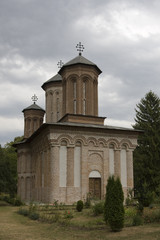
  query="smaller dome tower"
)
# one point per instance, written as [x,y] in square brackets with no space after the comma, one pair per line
[33,118]
[53,90]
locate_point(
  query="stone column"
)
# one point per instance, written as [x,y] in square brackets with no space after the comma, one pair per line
[130,168]
[117,164]
[54,173]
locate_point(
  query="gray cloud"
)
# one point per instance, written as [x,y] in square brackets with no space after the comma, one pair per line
[121,37]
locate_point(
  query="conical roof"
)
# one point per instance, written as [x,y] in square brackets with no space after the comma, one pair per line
[34,106]
[56,78]
[80,60]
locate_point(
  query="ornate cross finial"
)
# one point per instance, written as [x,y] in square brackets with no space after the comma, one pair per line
[80,48]
[60,64]
[34,98]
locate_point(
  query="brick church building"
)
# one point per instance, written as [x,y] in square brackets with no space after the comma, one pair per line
[73,153]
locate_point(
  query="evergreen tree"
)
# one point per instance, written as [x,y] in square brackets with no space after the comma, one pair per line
[8,168]
[113,208]
[108,197]
[147,153]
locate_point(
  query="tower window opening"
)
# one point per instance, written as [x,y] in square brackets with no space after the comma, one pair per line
[57,103]
[74,97]
[84,97]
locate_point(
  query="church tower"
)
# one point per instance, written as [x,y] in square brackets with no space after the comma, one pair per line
[33,118]
[73,153]
[53,89]
[80,86]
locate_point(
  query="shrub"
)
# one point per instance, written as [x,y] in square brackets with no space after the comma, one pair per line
[79,206]
[34,216]
[18,202]
[87,203]
[98,208]
[13,201]
[137,220]
[113,207]
[152,216]
[23,211]
[68,214]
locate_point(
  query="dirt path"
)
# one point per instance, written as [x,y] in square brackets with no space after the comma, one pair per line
[17,227]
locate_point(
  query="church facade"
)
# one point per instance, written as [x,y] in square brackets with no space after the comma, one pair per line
[73,153]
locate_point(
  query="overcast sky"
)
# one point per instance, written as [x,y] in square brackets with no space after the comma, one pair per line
[122,37]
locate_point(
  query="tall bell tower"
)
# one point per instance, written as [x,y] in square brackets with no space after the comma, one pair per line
[80,86]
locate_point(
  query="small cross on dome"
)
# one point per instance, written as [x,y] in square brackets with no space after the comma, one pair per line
[34,98]
[60,64]
[80,48]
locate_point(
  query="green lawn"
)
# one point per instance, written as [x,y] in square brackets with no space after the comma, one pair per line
[18,227]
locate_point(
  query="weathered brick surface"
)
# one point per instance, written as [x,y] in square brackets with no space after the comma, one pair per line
[94,157]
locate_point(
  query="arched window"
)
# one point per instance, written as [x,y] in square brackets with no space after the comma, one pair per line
[74,97]
[35,125]
[84,97]
[51,105]
[57,106]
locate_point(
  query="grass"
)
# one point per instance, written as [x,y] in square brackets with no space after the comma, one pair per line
[18,227]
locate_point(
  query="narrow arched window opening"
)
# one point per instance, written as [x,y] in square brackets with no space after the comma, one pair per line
[74,97]
[84,97]
[57,106]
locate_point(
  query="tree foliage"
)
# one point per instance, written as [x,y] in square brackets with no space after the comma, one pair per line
[113,207]
[8,168]
[147,153]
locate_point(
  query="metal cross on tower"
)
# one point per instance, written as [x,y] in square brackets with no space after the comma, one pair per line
[80,48]
[60,64]
[34,98]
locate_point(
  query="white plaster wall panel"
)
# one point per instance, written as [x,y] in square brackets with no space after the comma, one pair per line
[77,166]
[123,168]
[111,161]
[63,166]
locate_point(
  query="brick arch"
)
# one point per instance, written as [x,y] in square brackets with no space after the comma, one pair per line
[96,153]
[127,143]
[72,77]
[50,92]
[102,141]
[66,138]
[80,138]
[92,139]
[95,163]
[86,77]
[57,91]
[113,141]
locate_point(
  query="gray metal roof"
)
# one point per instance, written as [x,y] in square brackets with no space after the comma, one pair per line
[34,106]
[56,78]
[88,126]
[80,60]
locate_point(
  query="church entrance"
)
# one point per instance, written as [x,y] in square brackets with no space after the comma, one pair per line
[95,184]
